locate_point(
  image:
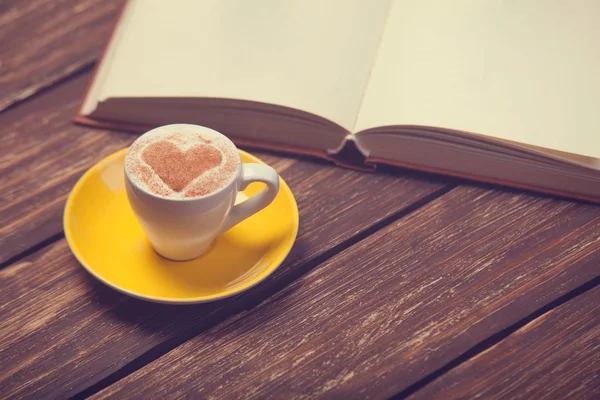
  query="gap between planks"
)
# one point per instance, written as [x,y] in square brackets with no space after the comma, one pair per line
[81,70]
[33,249]
[496,338]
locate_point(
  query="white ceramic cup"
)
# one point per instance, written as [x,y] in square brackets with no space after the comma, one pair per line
[183,229]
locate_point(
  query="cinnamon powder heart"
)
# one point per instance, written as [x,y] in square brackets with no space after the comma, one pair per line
[178,168]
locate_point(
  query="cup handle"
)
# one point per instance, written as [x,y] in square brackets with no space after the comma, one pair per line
[253,173]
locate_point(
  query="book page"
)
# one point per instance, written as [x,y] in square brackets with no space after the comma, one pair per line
[310,55]
[526,71]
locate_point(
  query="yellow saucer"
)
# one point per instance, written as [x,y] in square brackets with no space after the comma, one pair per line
[108,241]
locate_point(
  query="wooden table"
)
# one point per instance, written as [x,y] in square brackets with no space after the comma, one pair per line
[400,284]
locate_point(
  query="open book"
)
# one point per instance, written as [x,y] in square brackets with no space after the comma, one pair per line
[498,91]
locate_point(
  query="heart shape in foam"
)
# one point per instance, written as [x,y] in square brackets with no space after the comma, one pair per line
[178,168]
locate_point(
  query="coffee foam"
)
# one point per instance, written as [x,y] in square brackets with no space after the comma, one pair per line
[184,139]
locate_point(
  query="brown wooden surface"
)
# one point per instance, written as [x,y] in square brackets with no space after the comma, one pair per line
[42,41]
[49,295]
[395,285]
[398,305]
[43,155]
[556,356]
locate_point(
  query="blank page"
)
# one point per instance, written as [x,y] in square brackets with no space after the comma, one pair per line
[306,54]
[521,70]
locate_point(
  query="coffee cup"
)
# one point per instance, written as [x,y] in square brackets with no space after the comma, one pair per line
[182,181]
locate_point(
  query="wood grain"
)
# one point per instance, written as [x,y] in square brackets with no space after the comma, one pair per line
[368,323]
[43,155]
[62,332]
[556,356]
[43,41]
[393,308]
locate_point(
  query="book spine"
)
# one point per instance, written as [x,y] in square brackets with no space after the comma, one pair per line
[350,155]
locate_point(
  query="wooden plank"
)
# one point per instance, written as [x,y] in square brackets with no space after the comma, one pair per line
[62,331]
[43,154]
[44,41]
[556,356]
[388,311]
